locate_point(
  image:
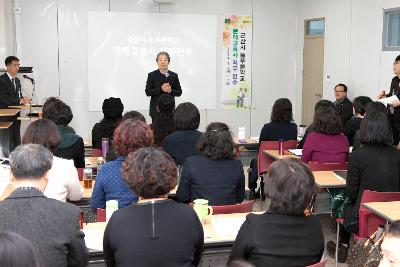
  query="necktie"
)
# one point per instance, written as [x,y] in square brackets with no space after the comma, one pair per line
[13,82]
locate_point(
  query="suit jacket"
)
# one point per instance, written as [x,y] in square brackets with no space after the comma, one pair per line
[345,109]
[8,95]
[221,182]
[51,225]
[153,87]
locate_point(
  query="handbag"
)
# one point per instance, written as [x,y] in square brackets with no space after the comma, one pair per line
[365,252]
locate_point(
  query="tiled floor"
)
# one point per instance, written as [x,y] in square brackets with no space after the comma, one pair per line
[327,227]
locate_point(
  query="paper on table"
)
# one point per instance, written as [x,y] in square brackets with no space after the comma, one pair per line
[94,238]
[297,152]
[227,227]
[388,100]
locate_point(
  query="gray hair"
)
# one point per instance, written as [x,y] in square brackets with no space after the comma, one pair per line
[163,53]
[30,161]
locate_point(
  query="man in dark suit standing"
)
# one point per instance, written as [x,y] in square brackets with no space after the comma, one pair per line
[342,104]
[11,95]
[161,81]
[51,225]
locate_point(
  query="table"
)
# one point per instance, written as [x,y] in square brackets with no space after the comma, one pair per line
[13,132]
[219,235]
[274,154]
[91,162]
[390,211]
[8,112]
[328,179]
[6,134]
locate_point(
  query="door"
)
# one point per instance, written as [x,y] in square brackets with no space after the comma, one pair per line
[313,67]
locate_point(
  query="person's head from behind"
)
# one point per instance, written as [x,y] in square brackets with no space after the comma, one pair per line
[327,121]
[340,91]
[163,60]
[217,143]
[29,166]
[359,104]
[130,135]
[17,251]
[57,111]
[166,104]
[282,111]
[396,66]
[323,103]
[112,108]
[43,132]
[375,130]
[391,246]
[374,107]
[290,185]
[186,117]
[134,115]
[12,65]
[150,172]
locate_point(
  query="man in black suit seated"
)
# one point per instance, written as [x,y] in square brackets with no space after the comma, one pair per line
[51,225]
[161,81]
[342,104]
[11,95]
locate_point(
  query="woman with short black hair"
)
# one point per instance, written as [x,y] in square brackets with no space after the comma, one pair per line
[165,233]
[353,124]
[284,235]
[374,166]
[215,174]
[17,251]
[181,144]
[327,144]
[71,146]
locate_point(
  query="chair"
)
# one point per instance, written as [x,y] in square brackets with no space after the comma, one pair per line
[368,221]
[245,206]
[80,173]
[264,161]
[322,263]
[316,166]
[97,152]
[101,215]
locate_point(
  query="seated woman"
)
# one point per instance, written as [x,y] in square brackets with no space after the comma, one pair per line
[374,166]
[163,124]
[129,136]
[283,236]
[281,125]
[63,177]
[156,231]
[71,146]
[112,110]
[353,124]
[327,144]
[215,174]
[182,143]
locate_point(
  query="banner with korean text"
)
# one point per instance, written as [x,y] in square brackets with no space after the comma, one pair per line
[236,62]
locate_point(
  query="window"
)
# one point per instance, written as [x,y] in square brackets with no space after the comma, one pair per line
[315,27]
[391,30]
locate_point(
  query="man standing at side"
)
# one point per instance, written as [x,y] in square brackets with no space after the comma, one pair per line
[342,104]
[51,225]
[11,95]
[161,81]
[394,108]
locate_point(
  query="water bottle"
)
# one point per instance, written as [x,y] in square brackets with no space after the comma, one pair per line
[242,134]
[281,141]
[104,146]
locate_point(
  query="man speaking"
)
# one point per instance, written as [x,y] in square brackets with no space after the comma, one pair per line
[161,81]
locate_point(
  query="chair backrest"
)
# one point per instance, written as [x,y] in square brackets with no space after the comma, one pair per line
[97,152]
[101,215]
[264,161]
[245,206]
[322,263]
[368,221]
[316,166]
[80,173]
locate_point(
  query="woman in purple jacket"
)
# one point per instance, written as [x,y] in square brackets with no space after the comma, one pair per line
[327,144]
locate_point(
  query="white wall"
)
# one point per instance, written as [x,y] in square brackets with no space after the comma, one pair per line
[2,31]
[353,45]
[58,52]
